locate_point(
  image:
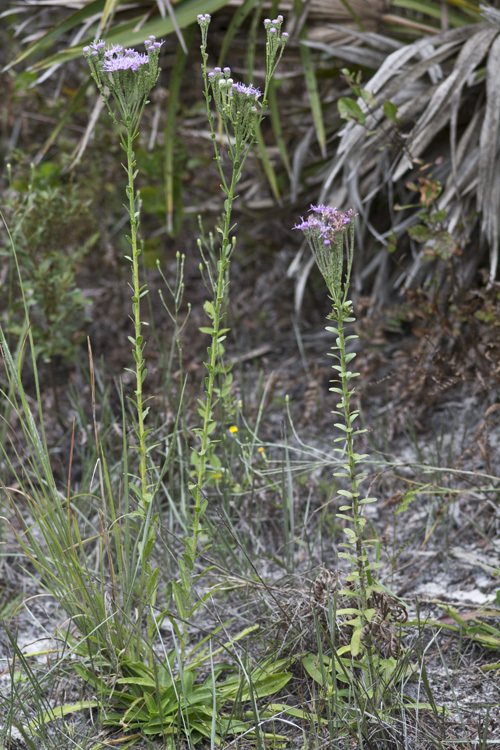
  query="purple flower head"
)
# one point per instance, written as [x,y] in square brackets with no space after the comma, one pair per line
[124,76]
[116,49]
[94,48]
[249,90]
[151,43]
[330,235]
[325,223]
[309,225]
[132,60]
[117,59]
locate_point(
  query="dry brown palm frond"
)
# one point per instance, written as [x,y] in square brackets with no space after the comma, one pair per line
[334,20]
[447,93]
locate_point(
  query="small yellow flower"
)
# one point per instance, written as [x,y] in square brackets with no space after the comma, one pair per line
[260,450]
[233,429]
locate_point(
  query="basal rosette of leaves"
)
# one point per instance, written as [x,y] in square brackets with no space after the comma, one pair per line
[173,700]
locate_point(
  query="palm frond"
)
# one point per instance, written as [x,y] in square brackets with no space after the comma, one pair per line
[447,93]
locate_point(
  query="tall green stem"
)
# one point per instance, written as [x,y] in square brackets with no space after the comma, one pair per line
[137,293]
[240,114]
[350,467]
[214,350]
[147,583]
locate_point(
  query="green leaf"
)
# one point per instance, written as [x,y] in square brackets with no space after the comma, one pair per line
[349,611]
[350,110]
[317,667]
[351,558]
[391,111]
[312,90]
[356,642]
[420,233]
[68,708]
[272,683]
[406,500]
[144,681]
[348,493]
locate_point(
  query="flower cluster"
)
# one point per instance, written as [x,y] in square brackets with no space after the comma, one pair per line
[116,58]
[204,22]
[275,42]
[204,19]
[129,75]
[326,224]
[235,102]
[325,230]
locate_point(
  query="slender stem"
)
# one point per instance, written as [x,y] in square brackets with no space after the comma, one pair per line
[136,309]
[339,314]
[212,369]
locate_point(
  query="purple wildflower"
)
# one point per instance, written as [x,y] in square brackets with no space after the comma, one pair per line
[116,58]
[127,74]
[326,224]
[151,43]
[249,90]
[326,230]
[94,48]
[130,61]
[116,49]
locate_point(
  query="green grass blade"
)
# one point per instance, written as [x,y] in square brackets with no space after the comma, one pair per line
[274,110]
[313,93]
[236,22]
[266,163]
[68,24]
[125,33]
[353,15]
[108,14]
[435,10]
